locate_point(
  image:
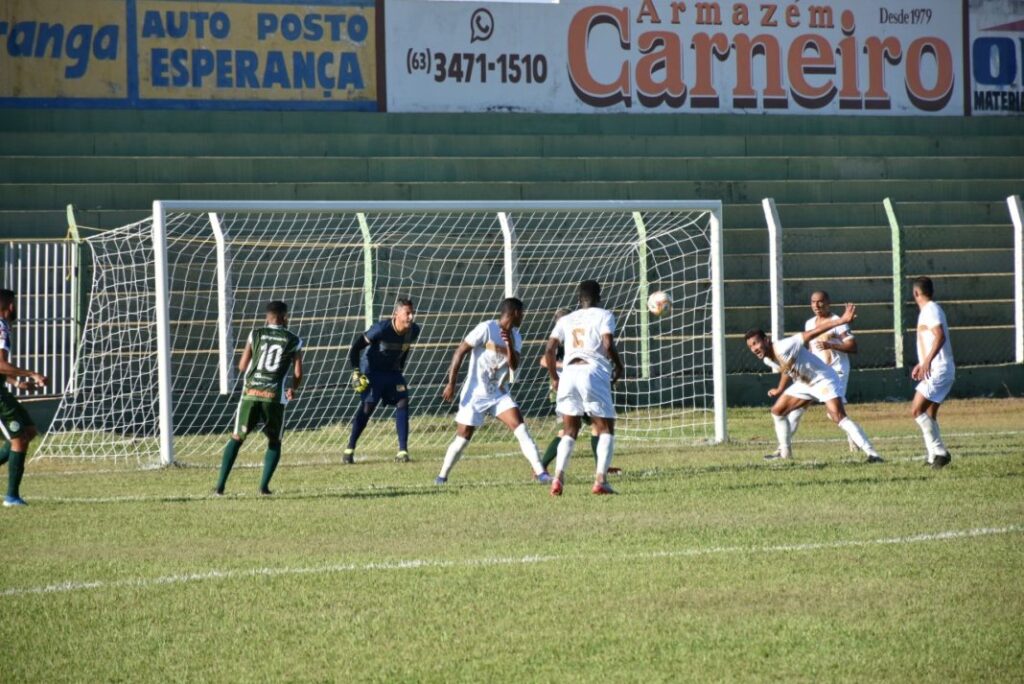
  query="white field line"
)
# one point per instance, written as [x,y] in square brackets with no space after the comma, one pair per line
[416,564]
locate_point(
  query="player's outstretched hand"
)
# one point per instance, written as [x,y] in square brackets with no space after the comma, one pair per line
[774,392]
[448,393]
[40,380]
[289,394]
[359,382]
[849,313]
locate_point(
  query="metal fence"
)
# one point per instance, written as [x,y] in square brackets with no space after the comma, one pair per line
[44,275]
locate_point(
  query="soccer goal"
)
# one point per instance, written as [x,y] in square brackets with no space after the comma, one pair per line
[174,297]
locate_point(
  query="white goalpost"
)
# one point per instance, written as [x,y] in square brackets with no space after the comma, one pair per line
[174,297]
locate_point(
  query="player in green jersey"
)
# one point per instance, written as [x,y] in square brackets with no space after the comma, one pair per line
[270,353]
[15,424]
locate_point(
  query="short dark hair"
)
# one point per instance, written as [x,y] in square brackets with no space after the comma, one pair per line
[510,305]
[823,293]
[277,308]
[7,298]
[589,291]
[403,302]
[754,332]
[924,284]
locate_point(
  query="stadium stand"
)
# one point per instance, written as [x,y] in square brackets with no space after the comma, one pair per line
[948,178]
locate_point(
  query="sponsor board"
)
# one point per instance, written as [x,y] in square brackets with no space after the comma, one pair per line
[996,55]
[845,57]
[184,53]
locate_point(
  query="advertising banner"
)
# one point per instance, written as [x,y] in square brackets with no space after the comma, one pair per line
[177,53]
[997,57]
[872,57]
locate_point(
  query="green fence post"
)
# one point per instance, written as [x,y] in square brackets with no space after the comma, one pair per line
[897,281]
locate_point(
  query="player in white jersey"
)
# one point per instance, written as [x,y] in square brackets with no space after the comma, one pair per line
[495,346]
[590,365]
[791,357]
[833,347]
[935,371]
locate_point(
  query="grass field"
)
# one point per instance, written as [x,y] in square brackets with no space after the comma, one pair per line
[710,565]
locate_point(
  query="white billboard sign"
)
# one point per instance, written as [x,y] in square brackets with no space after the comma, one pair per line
[873,57]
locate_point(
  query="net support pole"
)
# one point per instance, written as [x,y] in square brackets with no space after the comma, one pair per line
[643,294]
[224,307]
[163,336]
[1017,216]
[75,276]
[364,228]
[718,325]
[508,233]
[778,311]
[897,281]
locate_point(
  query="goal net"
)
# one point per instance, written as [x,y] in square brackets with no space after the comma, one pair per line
[174,297]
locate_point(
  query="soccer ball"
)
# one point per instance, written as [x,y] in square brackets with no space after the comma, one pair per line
[659,303]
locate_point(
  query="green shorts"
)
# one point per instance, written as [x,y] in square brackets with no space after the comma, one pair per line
[251,413]
[14,419]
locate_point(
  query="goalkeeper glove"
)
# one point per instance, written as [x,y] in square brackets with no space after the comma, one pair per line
[359,382]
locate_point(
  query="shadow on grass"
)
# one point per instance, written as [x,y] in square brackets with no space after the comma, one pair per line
[367,494]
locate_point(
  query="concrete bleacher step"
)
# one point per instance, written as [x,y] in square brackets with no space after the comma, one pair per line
[131,195]
[169,169]
[870,315]
[155,143]
[842,263]
[870,238]
[935,211]
[352,123]
[967,286]
[971,345]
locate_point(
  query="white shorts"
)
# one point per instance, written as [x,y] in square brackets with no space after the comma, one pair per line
[936,388]
[472,409]
[585,388]
[821,391]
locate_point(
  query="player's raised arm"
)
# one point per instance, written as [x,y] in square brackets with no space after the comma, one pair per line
[453,370]
[849,314]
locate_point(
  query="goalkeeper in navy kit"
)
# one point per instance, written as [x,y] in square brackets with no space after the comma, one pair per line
[378,376]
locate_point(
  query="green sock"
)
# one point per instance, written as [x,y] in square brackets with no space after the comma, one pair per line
[270,460]
[15,469]
[230,454]
[551,453]
[5,452]
[593,446]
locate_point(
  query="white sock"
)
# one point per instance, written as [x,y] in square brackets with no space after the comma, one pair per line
[452,455]
[564,452]
[932,438]
[605,448]
[794,420]
[529,448]
[782,432]
[857,435]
